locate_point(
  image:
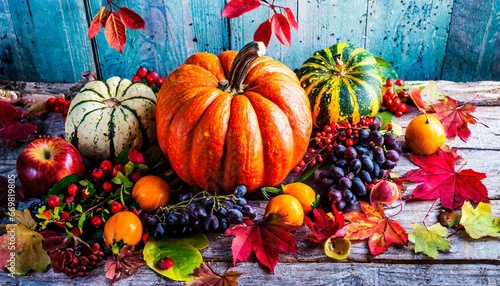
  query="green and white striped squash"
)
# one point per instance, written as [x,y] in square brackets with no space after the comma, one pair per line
[106,117]
[343,83]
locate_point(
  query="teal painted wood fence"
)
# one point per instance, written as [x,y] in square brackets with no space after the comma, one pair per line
[46,40]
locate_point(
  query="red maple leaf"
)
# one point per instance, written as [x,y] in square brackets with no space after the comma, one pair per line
[372,224]
[13,126]
[206,277]
[441,180]
[324,226]
[455,118]
[236,8]
[264,238]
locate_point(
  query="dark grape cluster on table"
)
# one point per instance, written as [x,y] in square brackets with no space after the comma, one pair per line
[201,212]
[353,158]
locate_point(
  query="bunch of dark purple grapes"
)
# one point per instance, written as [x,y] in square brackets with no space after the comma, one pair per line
[77,261]
[353,170]
[200,212]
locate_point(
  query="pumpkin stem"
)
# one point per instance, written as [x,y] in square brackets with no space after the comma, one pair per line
[241,64]
[338,65]
[112,102]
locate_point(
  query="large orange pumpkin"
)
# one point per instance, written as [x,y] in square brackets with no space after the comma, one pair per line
[233,119]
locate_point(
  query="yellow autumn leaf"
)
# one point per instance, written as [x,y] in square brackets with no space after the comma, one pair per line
[478,221]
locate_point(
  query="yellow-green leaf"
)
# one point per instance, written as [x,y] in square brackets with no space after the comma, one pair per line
[429,240]
[185,257]
[478,221]
[21,250]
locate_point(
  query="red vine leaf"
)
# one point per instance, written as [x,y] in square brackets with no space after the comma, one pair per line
[236,8]
[372,224]
[455,118]
[263,32]
[441,180]
[115,32]
[264,239]
[13,126]
[131,19]
[281,28]
[291,19]
[96,24]
[324,226]
[127,263]
[206,277]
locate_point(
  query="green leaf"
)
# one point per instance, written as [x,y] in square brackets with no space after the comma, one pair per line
[199,240]
[79,208]
[429,240]
[121,179]
[81,221]
[26,253]
[478,221]
[185,256]
[123,156]
[385,118]
[60,187]
[129,167]
[386,70]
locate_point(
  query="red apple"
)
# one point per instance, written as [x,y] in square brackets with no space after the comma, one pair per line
[44,162]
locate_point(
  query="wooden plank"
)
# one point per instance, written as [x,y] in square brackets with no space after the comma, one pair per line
[332,273]
[10,60]
[174,30]
[52,40]
[411,35]
[473,49]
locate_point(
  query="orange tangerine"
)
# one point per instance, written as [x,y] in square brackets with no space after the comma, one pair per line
[425,134]
[151,192]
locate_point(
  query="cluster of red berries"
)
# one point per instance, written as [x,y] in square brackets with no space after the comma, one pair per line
[395,96]
[148,77]
[58,105]
[344,133]
[101,185]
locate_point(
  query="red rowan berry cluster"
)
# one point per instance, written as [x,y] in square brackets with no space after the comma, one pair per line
[148,77]
[394,97]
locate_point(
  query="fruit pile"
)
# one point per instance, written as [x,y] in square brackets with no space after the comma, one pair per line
[199,212]
[354,158]
[79,205]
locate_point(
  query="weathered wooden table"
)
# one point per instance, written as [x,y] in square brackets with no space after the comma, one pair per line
[469,262]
